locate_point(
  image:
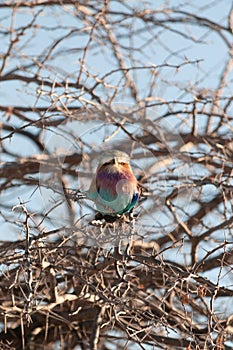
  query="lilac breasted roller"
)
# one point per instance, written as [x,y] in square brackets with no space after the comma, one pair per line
[114,188]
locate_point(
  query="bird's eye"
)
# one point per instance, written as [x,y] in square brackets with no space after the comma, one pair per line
[122,163]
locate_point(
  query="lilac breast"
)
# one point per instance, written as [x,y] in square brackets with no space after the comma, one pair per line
[109,184]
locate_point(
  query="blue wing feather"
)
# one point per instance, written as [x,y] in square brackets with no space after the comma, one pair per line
[133,202]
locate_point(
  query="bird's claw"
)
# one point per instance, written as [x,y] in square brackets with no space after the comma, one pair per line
[109,220]
[97,223]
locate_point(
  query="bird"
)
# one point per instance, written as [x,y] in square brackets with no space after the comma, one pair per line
[114,187]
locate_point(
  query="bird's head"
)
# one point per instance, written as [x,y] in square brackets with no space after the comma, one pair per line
[114,160]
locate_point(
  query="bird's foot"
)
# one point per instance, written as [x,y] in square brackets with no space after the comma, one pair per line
[109,220]
[103,220]
[98,223]
[128,217]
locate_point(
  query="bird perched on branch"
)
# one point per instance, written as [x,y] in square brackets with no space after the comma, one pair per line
[114,188]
